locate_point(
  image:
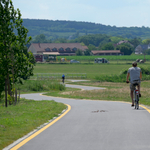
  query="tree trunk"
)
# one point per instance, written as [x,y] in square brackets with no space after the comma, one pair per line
[9,91]
[6,81]
[15,96]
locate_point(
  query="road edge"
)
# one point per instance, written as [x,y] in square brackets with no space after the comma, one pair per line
[20,142]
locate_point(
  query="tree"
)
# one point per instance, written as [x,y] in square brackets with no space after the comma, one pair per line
[147,52]
[136,41]
[79,52]
[14,58]
[146,41]
[108,46]
[87,52]
[40,39]
[125,48]
[92,47]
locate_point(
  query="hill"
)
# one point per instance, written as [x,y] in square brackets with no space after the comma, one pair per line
[73,29]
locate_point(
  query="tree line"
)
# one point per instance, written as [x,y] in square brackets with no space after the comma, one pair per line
[68,29]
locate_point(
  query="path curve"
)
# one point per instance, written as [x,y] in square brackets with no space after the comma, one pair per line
[93,125]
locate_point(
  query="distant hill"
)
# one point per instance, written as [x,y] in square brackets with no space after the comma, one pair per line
[72,29]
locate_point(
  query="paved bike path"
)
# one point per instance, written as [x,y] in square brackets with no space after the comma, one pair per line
[92,125]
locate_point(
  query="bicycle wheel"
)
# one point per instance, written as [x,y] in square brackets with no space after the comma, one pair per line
[137,102]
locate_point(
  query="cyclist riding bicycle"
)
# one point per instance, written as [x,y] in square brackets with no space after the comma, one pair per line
[63,78]
[135,75]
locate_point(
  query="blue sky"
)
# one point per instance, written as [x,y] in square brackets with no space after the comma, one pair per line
[120,13]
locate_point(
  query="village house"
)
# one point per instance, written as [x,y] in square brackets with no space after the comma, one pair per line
[141,48]
[43,50]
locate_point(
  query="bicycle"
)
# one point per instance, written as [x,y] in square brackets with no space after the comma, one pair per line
[136,96]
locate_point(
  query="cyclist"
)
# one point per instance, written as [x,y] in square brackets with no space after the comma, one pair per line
[135,75]
[63,78]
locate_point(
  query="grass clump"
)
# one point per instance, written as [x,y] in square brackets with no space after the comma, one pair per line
[17,121]
[41,85]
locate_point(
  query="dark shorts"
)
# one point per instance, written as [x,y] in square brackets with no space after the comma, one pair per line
[132,86]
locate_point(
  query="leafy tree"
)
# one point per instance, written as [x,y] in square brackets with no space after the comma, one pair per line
[108,46]
[40,39]
[87,52]
[92,47]
[146,41]
[147,52]
[61,40]
[127,49]
[79,52]
[14,59]
[136,41]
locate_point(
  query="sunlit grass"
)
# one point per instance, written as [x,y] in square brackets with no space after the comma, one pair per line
[17,121]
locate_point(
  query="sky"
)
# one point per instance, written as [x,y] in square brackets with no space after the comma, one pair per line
[120,13]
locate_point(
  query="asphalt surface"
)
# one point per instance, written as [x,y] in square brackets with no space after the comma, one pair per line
[94,125]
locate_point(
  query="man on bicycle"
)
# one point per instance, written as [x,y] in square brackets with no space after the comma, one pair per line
[63,78]
[135,75]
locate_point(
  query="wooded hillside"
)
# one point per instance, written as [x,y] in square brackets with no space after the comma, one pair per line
[73,29]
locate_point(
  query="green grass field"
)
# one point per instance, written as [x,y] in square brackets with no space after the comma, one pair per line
[92,70]
[109,57]
[17,121]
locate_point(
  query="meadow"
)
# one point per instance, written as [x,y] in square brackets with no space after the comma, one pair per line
[109,57]
[92,70]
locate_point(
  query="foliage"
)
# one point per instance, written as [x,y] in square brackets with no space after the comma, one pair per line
[125,48]
[14,59]
[135,42]
[41,39]
[108,46]
[92,47]
[79,52]
[147,52]
[146,41]
[87,52]
[73,29]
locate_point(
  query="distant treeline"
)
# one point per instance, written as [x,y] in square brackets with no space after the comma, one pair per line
[73,29]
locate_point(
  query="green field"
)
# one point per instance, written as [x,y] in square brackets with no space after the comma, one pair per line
[92,70]
[109,57]
[26,116]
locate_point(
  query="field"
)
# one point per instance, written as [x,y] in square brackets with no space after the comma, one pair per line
[109,57]
[92,70]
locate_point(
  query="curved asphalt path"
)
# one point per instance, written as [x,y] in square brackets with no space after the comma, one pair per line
[94,125]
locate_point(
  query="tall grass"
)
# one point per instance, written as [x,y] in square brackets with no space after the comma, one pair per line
[41,85]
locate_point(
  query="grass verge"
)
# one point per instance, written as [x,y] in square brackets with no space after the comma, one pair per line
[113,92]
[17,121]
